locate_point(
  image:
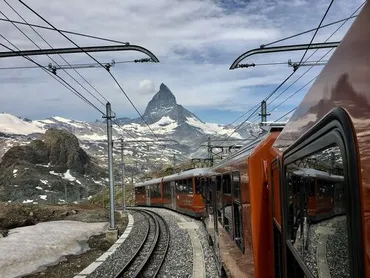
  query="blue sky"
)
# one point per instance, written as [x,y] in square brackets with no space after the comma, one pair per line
[195,41]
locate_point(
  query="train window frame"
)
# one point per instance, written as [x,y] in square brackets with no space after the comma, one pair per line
[335,129]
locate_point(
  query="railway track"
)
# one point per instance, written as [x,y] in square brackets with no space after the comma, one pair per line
[149,257]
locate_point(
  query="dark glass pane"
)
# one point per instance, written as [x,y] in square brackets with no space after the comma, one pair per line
[236,183]
[317,219]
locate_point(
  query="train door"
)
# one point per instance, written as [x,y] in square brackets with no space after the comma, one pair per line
[276,219]
[323,245]
[173,194]
[147,189]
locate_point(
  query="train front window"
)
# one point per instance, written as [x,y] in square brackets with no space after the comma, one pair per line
[317,212]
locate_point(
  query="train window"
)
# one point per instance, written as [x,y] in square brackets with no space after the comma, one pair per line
[238,228]
[226,184]
[199,184]
[190,186]
[140,190]
[236,184]
[218,183]
[167,190]
[317,212]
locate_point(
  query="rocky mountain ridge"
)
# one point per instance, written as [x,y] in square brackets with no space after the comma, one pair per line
[51,169]
[166,118]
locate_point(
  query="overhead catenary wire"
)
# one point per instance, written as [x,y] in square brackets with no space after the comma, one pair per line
[332,34]
[117,83]
[314,35]
[56,77]
[65,65]
[308,31]
[344,21]
[126,132]
[290,111]
[57,63]
[273,92]
[64,31]
[58,55]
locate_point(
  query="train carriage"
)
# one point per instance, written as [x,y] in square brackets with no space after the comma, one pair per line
[182,192]
[149,193]
[294,203]
[237,198]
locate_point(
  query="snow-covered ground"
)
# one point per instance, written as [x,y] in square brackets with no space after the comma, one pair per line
[14,125]
[29,248]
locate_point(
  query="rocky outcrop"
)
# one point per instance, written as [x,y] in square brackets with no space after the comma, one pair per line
[52,167]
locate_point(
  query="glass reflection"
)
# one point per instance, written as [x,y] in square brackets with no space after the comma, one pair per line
[317,220]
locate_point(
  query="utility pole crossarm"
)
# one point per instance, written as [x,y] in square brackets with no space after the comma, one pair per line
[153,141]
[104,48]
[283,48]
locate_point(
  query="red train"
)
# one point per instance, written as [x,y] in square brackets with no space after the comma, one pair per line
[180,192]
[296,201]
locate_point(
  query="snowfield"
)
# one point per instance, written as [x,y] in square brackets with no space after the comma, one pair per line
[29,248]
[13,125]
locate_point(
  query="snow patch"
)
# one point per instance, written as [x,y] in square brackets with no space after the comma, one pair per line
[29,248]
[24,202]
[44,181]
[67,175]
[39,188]
[13,125]
[43,165]
[44,197]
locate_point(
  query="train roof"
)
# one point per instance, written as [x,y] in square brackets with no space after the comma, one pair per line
[149,182]
[309,172]
[246,150]
[187,174]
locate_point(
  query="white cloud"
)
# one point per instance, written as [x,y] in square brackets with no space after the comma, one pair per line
[146,87]
[195,41]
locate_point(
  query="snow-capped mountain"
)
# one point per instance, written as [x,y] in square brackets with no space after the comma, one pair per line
[166,118]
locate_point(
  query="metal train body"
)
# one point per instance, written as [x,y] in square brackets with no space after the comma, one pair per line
[296,201]
[180,192]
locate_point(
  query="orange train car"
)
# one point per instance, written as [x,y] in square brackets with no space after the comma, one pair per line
[149,193]
[180,192]
[238,205]
[295,202]
[317,168]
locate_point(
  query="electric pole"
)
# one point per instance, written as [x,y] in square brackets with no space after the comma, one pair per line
[264,113]
[123,178]
[174,163]
[132,184]
[109,118]
[210,154]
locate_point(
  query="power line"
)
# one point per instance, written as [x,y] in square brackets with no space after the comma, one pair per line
[332,34]
[293,94]
[317,29]
[303,74]
[65,31]
[308,31]
[58,55]
[286,114]
[95,61]
[60,79]
[65,61]
[55,62]
[71,66]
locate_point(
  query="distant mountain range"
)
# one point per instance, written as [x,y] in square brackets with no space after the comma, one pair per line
[166,118]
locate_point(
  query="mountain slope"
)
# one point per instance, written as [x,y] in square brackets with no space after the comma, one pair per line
[50,169]
[167,118]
